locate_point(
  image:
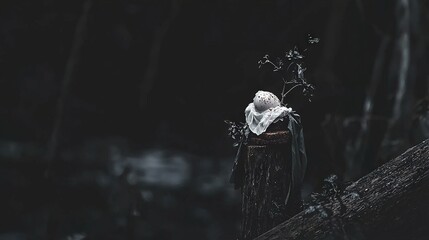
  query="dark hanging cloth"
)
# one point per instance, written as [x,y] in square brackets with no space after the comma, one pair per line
[298,155]
[237,174]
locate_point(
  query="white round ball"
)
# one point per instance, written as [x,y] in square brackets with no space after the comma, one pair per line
[265,100]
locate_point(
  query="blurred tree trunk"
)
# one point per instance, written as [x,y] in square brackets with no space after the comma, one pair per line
[401,78]
[331,39]
[383,129]
[52,148]
[155,54]
[72,61]
[358,150]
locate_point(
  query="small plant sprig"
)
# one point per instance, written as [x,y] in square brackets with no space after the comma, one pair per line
[291,68]
[318,202]
[238,132]
[323,203]
[332,190]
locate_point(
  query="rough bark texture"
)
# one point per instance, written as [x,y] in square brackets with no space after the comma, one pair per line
[389,203]
[267,196]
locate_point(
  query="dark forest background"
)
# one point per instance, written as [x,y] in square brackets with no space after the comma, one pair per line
[112,112]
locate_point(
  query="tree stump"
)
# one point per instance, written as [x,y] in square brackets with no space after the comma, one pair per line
[268,197]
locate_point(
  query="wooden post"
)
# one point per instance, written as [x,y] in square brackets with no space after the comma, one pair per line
[268,197]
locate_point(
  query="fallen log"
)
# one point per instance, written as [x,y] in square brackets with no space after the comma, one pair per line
[392,202]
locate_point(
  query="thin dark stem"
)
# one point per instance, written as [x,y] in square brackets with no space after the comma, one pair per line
[276,68]
[283,95]
[290,64]
[291,89]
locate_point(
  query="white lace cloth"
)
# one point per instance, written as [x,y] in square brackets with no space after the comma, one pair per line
[258,122]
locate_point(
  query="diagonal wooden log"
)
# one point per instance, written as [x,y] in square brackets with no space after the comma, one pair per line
[392,202]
